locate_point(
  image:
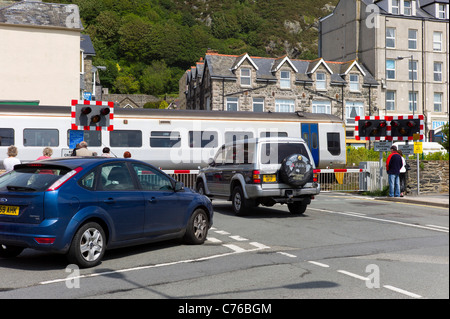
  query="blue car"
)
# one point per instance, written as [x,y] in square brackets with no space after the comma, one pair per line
[79,206]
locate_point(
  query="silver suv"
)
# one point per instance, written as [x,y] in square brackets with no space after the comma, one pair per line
[262,171]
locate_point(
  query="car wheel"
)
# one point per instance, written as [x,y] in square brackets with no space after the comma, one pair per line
[238,201]
[7,251]
[296,170]
[201,188]
[297,208]
[88,246]
[197,228]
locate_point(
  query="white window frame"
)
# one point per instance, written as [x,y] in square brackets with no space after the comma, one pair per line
[246,79]
[350,106]
[321,106]
[407,10]
[390,38]
[412,66]
[412,42]
[259,103]
[390,100]
[437,41]
[354,83]
[441,11]
[232,104]
[438,102]
[284,105]
[321,83]
[395,6]
[390,70]
[437,73]
[285,82]
[412,100]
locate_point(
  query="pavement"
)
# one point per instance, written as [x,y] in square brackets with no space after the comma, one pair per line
[438,200]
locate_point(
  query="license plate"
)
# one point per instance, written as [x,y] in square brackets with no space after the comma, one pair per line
[9,210]
[269,178]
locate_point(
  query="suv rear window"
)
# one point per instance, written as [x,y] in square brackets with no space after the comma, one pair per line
[274,153]
[31,178]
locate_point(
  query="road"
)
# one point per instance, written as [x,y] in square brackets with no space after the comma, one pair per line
[343,247]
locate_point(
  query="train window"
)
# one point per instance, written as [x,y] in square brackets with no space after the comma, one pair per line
[125,138]
[92,138]
[236,136]
[6,136]
[314,140]
[40,137]
[165,139]
[274,134]
[334,146]
[203,139]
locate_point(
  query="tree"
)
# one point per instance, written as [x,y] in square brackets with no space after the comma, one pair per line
[445,141]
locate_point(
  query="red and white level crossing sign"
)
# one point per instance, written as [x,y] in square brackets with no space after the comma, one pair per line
[82,103]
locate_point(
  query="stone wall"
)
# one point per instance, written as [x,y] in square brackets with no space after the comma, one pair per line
[433,177]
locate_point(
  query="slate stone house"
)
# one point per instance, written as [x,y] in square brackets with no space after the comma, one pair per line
[258,84]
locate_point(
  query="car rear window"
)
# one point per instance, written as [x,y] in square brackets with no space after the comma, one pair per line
[31,178]
[274,153]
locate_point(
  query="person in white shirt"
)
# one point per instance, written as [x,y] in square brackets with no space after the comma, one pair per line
[402,175]
[11,160]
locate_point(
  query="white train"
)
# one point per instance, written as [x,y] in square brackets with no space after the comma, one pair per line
[170,139]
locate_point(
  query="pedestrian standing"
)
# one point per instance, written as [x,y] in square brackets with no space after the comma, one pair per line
[11,160]
[393,165]
[106,152]
[83,150]
[127,154]
[402,175]
[46,153]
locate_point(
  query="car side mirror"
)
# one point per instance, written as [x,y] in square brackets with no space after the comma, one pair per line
[211,162]
[179,186]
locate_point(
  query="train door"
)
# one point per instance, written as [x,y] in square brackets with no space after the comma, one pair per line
[310,133]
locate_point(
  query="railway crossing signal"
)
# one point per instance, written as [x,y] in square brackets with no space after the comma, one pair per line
[390,128]
[92,115]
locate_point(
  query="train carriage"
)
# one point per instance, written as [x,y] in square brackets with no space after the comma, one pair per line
[170,139]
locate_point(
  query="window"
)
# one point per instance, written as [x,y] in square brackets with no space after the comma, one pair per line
[241,153]
[412,70]
[354,82]
[236,136]
[390,38]
[116,177]
[275,153]
[40,137]
[395,9]
[352,110]
[412,101]
[125,138]
[333,143]
[321,107]
[92,138]
[246,79]
[258,104]
[151,179]
[6,136]
[390,69]
[165,139]
[437,71]
[412,39]
[390,100]
[321,81]
[438,102]
[407,8]
[220,156]
[441,11]
[437,41]
[273,134]
[285,81]
[203,139]
[232,104]
[284,105]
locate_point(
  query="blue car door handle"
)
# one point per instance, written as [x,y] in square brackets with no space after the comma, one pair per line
[152,200]
[109,201]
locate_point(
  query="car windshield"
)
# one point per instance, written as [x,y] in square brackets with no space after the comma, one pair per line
[274,153]
[31,178]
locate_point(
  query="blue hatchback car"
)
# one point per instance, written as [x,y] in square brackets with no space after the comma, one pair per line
[79,206]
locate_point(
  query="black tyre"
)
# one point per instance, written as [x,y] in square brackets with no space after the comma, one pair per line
[197,228]
[88,246]
[239,203]
[7,251]
[200,188]
[296,170]
[297,208]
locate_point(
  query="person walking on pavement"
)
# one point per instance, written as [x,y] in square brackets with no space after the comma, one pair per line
[393,165]
[83,151]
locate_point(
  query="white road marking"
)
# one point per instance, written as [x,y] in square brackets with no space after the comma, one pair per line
[222,232]
[410,294]
[286,254]
[353,275]
[318,264]
[238,238]
[234,248]
[259,246]
[213,240]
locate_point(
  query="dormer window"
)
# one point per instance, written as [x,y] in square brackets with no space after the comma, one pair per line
[285,79]
[321,81]
[354,82]
[441,11]
[407,8]
[395,8]
[246,79]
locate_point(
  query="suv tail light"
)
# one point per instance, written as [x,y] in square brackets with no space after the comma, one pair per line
[64,179]
[256,177]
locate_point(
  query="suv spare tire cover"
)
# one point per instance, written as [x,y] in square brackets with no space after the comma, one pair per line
[296,170]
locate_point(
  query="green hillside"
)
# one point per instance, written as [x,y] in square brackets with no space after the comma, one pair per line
[148,44]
